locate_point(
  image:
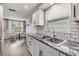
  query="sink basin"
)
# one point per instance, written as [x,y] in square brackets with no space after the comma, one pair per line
[45,37]
[54,40]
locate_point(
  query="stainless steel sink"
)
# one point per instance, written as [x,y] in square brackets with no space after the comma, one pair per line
[66,45]
[55,40]
[45,37]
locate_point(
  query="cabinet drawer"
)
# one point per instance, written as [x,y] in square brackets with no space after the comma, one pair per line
[48,50]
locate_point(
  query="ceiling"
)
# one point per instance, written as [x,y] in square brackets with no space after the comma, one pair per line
[20,12]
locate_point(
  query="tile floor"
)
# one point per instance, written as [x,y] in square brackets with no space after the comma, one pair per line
[16,48]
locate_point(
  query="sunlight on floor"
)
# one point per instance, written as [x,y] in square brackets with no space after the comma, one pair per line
[18,48]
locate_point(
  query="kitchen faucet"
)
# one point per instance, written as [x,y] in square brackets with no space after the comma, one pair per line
[19,36]
[47,31]
[53,32]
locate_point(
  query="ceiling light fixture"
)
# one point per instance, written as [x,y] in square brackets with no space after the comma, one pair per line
[51,3]
[26,7]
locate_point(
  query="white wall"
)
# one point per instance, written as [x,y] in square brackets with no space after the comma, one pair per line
[1,20]
[14,15]
[1,29]
[16,18]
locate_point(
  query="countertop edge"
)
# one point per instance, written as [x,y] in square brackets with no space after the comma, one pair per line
[52,46]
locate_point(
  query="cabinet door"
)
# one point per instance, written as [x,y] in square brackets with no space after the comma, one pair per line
[58,10]
[35,18]
[39,51]
[61,54]
[38,17]
[36,52]
[76,11]
[43,52]
[48,50]
[41,17]
[51,51]
[30,44]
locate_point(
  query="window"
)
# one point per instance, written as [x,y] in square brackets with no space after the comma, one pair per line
[16,26]
[59,25]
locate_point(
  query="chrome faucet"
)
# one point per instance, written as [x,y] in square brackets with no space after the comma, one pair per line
[48,30]
[54,35]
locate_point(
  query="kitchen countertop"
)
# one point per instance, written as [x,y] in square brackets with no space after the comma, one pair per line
[65,51]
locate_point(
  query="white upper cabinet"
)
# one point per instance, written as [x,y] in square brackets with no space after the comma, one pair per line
[58,10]
[75,11]
[38,17]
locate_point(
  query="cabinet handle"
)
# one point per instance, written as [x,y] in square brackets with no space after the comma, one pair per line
[40,52]
[74,11]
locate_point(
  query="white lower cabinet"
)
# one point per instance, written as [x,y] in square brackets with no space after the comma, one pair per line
[39,51]
[42,49]
[32,48]
[61,54]
[48,50]
[38,48]
[30,43]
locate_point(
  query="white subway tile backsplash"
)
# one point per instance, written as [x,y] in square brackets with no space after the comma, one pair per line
[77,40]
[72,39]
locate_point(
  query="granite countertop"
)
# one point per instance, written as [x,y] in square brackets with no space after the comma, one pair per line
[76,48]
[65,51]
